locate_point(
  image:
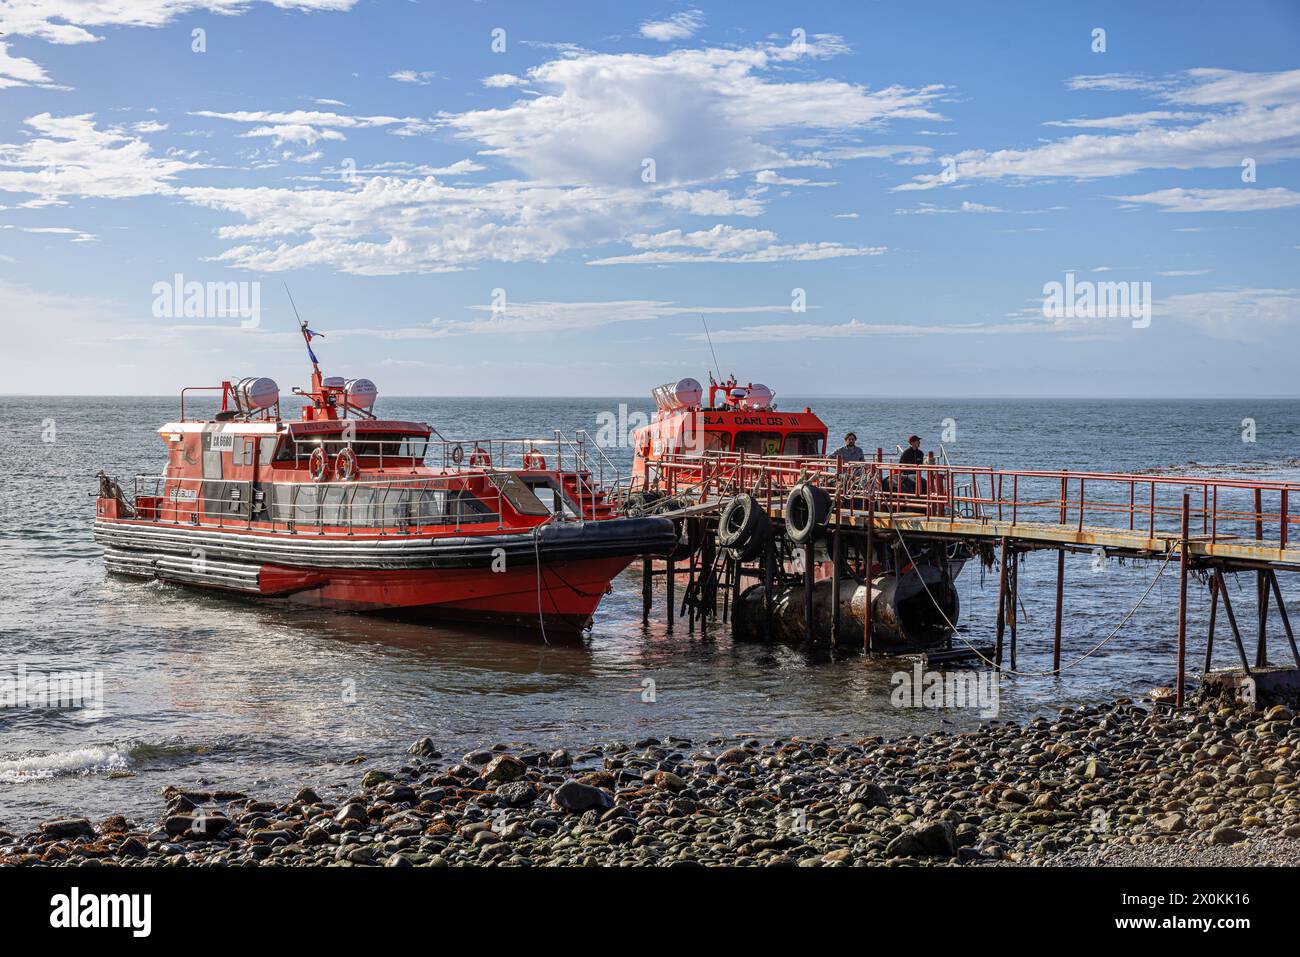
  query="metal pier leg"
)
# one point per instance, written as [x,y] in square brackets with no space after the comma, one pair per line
[671,591]
[1002,603]
[870,562]
[1060,596]
[1261,602]
[809,622]
[769,560]
[836,546]
[1179,684]
[1209,633]
[1261,590]
[1013,596]
[690,593]
[1232,620]
[647,588]
[1286,621]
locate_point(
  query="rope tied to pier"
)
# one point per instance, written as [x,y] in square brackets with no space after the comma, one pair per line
[1036,674]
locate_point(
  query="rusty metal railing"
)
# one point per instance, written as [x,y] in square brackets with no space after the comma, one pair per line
[1221,509]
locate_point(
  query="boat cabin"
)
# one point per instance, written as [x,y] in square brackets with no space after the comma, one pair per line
[736,418]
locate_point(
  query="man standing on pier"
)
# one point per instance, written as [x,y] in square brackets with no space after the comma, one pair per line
[850,451]
[912,455]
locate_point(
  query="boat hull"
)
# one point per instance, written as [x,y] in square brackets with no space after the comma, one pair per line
[552,580]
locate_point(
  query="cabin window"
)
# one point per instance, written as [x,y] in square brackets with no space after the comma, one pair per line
[266,450]
[759,443]
[803,443]
[366,444]
[717,441]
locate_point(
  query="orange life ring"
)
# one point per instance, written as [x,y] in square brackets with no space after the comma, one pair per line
[319,464]
[479,457]
[534,460]
[345,465]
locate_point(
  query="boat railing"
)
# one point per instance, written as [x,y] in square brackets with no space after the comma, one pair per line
[407,506]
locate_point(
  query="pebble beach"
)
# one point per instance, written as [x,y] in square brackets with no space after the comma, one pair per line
[1128,783]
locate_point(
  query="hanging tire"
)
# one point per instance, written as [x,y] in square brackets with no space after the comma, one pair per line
[806,509]
[742,527]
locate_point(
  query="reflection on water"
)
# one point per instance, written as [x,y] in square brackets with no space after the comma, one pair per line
[200,687]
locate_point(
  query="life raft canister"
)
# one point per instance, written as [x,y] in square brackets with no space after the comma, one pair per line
[319,464]
[345,465]
[534,459]
[479,457]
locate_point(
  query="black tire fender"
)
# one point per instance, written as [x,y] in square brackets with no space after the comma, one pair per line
[807,508]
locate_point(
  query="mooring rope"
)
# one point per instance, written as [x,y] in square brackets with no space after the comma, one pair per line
[1031,674]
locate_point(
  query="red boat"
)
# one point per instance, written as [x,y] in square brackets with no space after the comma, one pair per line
[737,421]
[339,510]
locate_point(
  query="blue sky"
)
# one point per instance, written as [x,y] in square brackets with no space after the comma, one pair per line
[918,172]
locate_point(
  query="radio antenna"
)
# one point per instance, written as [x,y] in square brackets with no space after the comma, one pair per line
[716,367]
[291,303]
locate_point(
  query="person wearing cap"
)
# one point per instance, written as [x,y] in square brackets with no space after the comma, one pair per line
[850,451]
[912,455]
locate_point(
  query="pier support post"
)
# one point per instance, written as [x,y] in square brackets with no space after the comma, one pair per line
[809,622]
[670,591]
[1002,603]
[1060,598]
[1232,620]
[836,546]
[869,561]
[769,560]
[1209,632]
[1013,599]
[1286,621]
[1182,607]
[1261,590]
[647,588]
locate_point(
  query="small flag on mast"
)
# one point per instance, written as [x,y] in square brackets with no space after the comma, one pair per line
[308,334]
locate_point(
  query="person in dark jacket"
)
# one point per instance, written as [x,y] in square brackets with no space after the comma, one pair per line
[912,455]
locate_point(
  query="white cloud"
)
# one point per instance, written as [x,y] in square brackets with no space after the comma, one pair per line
[928,209]
[768,177]
[501,80]
[66,21]
[78,236]
[418,77]
[728,244]
[529,318]
[72,157]
[680,26]
[701,115]
[308,127]
[18,71]
[1253,115]
[1179,273]
[1239,200]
